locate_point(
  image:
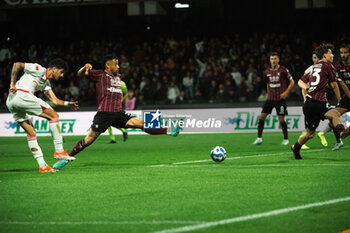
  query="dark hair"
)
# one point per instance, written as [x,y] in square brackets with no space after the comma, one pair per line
[274,54]
[323,49]
[108,58]
[347,46]
[59,64]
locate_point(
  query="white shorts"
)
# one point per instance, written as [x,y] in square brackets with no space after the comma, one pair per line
[21,105]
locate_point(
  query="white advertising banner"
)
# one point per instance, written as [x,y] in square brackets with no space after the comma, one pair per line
[225,120]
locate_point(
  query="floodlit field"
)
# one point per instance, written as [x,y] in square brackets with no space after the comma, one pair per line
[165,184]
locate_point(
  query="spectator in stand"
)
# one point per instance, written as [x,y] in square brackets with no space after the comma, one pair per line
[173,93]
[73,91]
[187,83]
[130,100]
[263,96]
[243,90]
[236,75]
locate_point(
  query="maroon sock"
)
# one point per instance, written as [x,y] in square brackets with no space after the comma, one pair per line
[284,130]
[297,146]
[260,128]
[337,130]
[78,147]
[156,131]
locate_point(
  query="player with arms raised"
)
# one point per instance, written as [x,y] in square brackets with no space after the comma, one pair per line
[110,111]
[22,102]
[316,106]
[279,84]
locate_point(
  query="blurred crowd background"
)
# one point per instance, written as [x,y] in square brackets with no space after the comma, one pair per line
[182,58]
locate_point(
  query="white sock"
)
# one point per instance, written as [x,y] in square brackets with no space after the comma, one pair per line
[56,134]
[37,154]
[327,129]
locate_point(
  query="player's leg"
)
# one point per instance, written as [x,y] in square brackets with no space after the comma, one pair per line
[321,134]
[281,109]
[87,141]
[284,127]
[313,113]
[53,118]
[262,117]
[102,121]
[134,122]
[111,135]
[125,133]
[34,146]
[334,116]
[304,137]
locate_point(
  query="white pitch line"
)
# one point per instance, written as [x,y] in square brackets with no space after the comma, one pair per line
[253,216]
[272,165]
[100,222]
[238,157]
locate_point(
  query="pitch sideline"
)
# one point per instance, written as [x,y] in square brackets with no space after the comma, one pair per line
[253,216]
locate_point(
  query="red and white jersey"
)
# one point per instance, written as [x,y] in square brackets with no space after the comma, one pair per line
[34,79]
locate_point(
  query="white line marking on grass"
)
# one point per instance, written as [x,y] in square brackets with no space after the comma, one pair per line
[253,216]
[238,157]
[269,165]
[100,222]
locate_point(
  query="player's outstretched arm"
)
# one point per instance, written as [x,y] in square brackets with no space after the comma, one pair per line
[17,66]
[52,97]
[84,71]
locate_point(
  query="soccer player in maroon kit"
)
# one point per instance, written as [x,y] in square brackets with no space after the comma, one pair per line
[343,69]
[110,111]
[279,84]
[315,107]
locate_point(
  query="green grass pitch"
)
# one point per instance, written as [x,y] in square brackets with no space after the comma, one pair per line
[166,184]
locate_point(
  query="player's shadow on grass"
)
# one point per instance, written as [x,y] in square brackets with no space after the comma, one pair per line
[18,170]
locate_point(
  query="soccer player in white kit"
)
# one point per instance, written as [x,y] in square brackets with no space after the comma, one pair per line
[22,102]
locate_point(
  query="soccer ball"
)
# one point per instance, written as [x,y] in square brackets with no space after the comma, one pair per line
[218,154]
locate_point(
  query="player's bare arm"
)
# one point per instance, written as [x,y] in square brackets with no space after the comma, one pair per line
[303,85]
[303,92]
[345,88]
[84,71]
[52,97]
[335,88]
[285,94]
[17,66]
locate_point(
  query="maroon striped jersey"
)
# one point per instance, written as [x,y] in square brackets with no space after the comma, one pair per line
[109,91]
[277,81]
[343,72]
[321,74]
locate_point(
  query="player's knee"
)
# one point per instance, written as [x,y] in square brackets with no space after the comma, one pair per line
[33,149]
[311,135]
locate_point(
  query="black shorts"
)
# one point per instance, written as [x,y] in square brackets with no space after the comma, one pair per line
[344,103]
[280,105]
[103,120]
[314,112]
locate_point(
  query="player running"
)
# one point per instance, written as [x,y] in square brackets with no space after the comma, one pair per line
[22,102]
[343,70]
[315,108]
[279,84]
[110,112]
